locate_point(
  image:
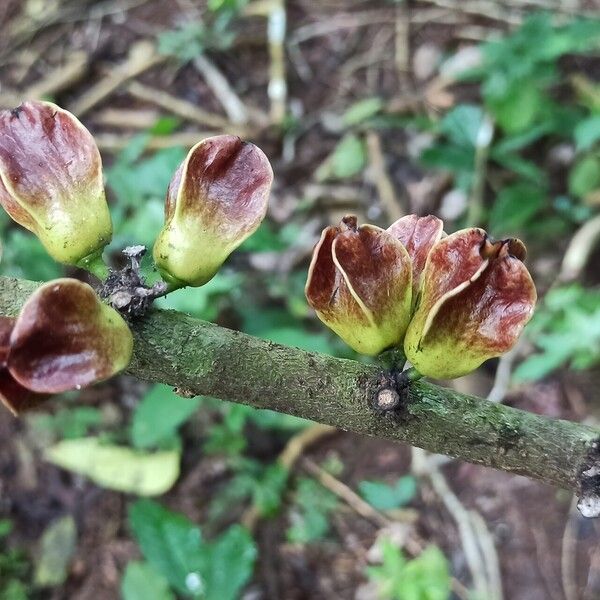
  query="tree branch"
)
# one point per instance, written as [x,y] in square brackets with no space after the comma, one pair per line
[202,358]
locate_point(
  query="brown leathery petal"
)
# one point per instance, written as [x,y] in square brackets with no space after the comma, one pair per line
[330,296]
[15,397]
[482,321]
[65,338]
[45,153]
[359,284]
[172,190]
[51,180]
[15,210]
[451,264]
[323,278]
[225,183]
[376,268]
[418,235]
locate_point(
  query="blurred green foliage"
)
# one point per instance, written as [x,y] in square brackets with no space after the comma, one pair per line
[310,512]
[158,416]
[215,32]
[195,568]
[426,577]
[566,331]
[382,496]
[522,105]
[14,567]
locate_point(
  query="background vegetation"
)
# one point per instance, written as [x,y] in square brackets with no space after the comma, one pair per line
[484,113]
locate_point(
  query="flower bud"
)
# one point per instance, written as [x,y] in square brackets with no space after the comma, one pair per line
[51,180]
[65,338]
[216,199]
[360,285]
[476,296]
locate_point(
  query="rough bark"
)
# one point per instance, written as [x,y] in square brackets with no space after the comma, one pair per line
[202,358]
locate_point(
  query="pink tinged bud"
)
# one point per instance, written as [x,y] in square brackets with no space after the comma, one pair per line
[418,235]
[66,338]
[359,283]
[476,298]
[51,180]
[216,199]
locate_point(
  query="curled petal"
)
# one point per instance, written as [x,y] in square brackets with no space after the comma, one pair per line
[418,235]
[359,284]
[451,265]
[66,338]
[216,199]
[51,180]
[323,277]
[15,397]
[471,321]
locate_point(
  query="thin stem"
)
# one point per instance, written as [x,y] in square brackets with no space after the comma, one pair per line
[411,374]
[482,149]
[393,359]
[94,264]
[169,286]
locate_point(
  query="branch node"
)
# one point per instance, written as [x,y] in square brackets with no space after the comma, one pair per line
[126,289]
[589,483]
[392,394]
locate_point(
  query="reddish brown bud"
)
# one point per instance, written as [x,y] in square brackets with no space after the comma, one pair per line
[216,199]
[66,338]
[51,180]
[359,283]
[476,297]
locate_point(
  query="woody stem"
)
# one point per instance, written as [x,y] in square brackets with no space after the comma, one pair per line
[202,358]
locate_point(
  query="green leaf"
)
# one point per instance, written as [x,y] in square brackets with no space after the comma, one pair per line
[522,167]
[117,467]
[227,564]
[14,590]
[566,330]
[347,160]
[6,527]
[68,423]
[514,207]
[587,133]
[142,582]
[461,125]
[426,577]
[24,256]
[173,545]
[453,158]
[584,177]
[518,110]
[158,416]
[361,111]
[386,497]
[56,551]
[268,491]
[310,514]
